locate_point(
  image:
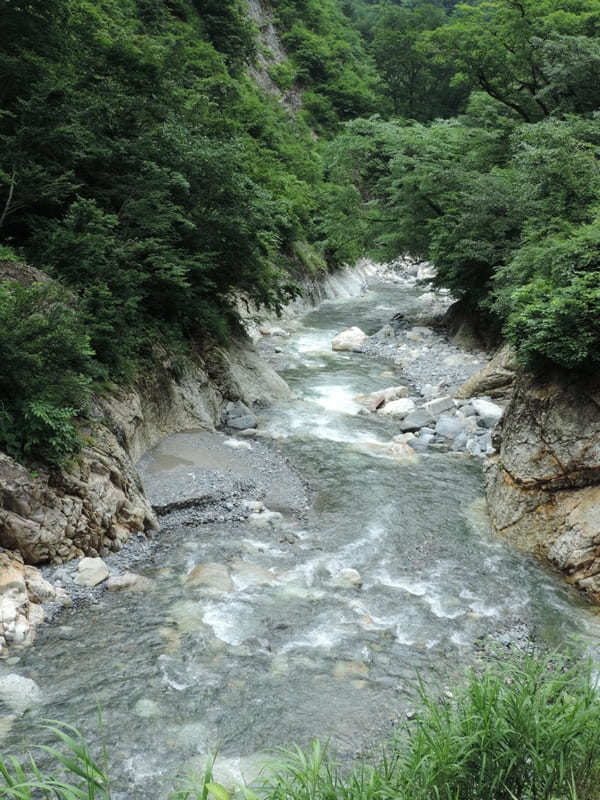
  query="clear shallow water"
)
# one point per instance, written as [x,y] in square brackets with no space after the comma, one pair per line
[285,654]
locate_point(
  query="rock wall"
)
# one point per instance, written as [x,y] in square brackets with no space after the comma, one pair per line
[95,503]
[543,486]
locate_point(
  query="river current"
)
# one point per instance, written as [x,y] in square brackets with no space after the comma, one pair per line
[287,653]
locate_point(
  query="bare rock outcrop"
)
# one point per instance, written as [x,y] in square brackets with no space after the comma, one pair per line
[95,503]
[496,379]
[543,486]
[23,590]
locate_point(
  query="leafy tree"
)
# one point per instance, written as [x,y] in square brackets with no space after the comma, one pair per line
[46,372]
[418,87]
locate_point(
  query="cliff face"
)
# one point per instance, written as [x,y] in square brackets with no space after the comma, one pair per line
[98,501]
[543,486]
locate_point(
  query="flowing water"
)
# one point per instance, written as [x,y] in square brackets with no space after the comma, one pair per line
[285,653]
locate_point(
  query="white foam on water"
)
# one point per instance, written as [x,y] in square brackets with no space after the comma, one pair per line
[227,622]
[314,341]
[484,609]
[416,588]
[445,607]
[337,398]
[325,636]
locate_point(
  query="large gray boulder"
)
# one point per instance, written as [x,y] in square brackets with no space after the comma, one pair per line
[543,486]
[494,380]
[350,340]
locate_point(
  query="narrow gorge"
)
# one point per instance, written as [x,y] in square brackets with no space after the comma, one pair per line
[305,569]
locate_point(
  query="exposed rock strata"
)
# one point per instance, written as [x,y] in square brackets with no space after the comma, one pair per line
[23,590]
[98,501]
[543,486]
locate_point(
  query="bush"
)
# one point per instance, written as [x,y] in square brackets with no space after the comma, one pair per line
[47,368]
[557,325]
[523,730]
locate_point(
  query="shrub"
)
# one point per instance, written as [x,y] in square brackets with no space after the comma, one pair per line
[46,372]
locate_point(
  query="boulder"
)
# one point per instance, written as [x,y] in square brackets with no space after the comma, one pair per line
[398,408]
[543,486]
[439,404]
[91,572]
[22,590]
[129,582]
[348,578]
[350,340]
[495,379]
[238,416]
[449,426]
[490,413]
[416,420]
[212,576]
[19,693]
[376,400]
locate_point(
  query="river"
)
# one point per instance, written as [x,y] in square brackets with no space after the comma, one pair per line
[285,653]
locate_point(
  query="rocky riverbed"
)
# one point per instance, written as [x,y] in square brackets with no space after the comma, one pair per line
[309,563]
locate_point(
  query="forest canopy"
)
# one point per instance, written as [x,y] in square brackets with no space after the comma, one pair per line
[147,172]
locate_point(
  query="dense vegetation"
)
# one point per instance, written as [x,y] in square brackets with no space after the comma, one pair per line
[523,729]
[142,168]
[501,190]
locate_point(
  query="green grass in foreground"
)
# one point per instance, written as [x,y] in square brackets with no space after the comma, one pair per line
[525,729]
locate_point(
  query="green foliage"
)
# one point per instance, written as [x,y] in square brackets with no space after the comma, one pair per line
[523,729]
[283,74]
[8,254]
[503,198]
[418,87]
[82,778]
[329,60]
[46,372]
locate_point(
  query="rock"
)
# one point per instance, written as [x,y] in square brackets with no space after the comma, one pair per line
[129,581]
[279,332]
[417,419]
[19,693]
[253,505]
[212,576]
[404,438]
[401,451]
[22,590]
[350,340]
[243,423]
[245,574]
[495,379]
[91,572]
[543,487]
[384,334]
[422,442]
[237,415]
[146,708]
[237,444]
[348,578]
[473,447]
[439,405]
[398,408]
[347,670]
[489,412]
[460,442]
[265,518]
[449,426]
[377,399]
